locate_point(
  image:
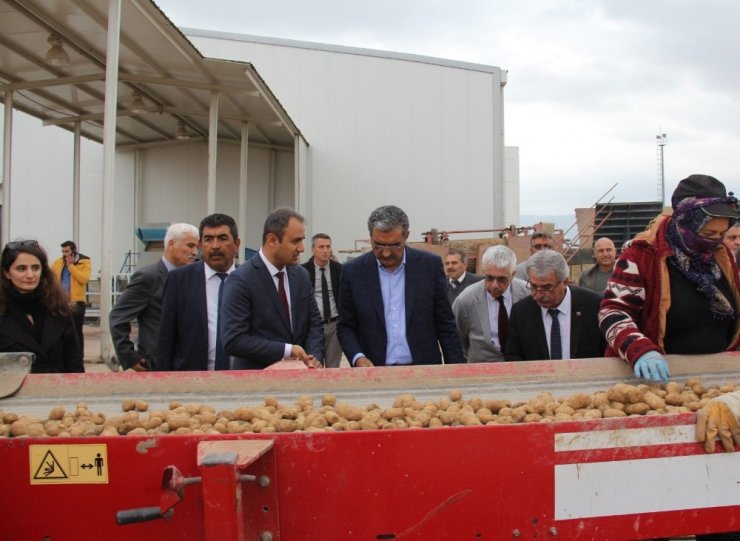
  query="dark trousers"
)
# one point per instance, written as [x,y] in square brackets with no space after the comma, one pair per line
[78,317]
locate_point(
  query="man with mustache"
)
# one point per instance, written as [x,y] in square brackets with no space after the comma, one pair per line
[189,331]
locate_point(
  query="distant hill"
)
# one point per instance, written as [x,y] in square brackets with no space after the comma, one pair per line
[563,221]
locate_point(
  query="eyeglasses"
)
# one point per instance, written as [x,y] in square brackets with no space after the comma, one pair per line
[391,247]
[542,246]
[17,244]
[542,289]
[499,279]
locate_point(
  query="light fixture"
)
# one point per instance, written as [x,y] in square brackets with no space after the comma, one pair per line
[56,55]
[137,104]
[182,132]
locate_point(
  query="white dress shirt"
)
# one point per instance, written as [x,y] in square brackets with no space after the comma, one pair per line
[213,282]
[564,320]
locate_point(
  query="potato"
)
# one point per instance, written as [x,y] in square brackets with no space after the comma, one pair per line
[328,400]
[654,401]
[455,395]
[141,405]
[627,394]
[611,412]
[128,405]
[639,408]
[578,401]
[56,413]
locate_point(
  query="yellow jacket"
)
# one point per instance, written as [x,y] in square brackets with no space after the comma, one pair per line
[79,276]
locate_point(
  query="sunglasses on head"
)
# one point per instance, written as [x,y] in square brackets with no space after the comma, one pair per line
[17,244]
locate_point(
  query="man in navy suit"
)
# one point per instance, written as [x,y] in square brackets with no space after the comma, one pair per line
[269,310]
[188,332]
[393,301]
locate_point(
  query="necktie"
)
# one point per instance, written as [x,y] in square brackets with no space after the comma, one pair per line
[455,284]
[556,351]
[503,322]
[282,295]
[222,360]
[325,296]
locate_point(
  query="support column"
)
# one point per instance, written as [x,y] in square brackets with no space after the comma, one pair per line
[212,153]
[7,149]
[109,159]
[76,185]
[243,181]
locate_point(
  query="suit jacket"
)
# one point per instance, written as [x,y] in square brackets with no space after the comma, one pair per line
[527,339]
[141,300]
[183,329]
[473,321]
[335,275]
[254,326]
[58,350]
[454,292]
[429,320]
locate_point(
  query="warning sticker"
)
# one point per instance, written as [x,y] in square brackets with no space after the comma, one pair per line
[68,464]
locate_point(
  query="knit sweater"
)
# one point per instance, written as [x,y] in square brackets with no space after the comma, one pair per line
[638,295]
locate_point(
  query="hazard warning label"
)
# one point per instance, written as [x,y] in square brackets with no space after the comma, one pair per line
[68,464]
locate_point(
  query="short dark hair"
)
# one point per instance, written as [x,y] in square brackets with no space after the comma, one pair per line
[540,235]
[455,251]
[70,244]
[277,222]
[217,220]
[388,218]
[318,236]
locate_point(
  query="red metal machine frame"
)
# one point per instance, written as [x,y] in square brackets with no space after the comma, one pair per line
[628,478]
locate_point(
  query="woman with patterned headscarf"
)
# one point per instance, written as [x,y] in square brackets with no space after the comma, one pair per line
[676,290]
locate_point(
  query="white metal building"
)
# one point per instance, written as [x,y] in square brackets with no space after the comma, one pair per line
[423,133]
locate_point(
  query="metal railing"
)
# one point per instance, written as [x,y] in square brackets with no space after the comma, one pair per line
[118,284]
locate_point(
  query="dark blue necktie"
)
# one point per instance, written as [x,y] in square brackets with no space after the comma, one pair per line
[556,348]
[222,360]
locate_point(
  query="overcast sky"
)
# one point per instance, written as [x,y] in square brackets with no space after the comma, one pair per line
[590,82]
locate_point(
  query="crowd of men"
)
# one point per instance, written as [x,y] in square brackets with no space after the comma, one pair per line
[394,305]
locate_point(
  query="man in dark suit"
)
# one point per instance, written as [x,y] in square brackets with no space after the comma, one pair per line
[188,333]
[558,320]
[393,306]
[456,264]
[269,310]
[325,275]
[142,300]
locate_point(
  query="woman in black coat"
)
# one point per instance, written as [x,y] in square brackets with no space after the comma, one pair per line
[35,314]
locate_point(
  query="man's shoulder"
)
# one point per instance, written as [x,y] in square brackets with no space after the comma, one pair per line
[473,293]
[584,294]
[186,271]
[360,262]
[308,264]
[335,265]
[83,257]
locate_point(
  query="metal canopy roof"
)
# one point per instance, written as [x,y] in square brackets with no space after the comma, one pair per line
[156,60]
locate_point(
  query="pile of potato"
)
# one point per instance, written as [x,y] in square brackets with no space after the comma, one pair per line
[621,400]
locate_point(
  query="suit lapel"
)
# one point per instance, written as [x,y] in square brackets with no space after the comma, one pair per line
[410,284]
[295,296]
[373,285]
[199,274]
[576,321]
[268,283]
[544,348]
[483,316]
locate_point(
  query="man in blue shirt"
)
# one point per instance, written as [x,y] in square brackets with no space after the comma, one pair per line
[393,301]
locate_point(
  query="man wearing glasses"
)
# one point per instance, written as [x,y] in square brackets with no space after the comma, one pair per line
[541,240]
[482,310]
[393,301]
[558,320]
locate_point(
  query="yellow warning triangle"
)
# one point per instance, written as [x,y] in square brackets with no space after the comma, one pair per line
[50,468]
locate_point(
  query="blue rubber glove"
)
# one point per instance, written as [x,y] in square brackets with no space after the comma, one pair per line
[652,366]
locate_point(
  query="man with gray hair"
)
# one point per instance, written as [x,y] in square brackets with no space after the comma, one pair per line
[558,320]
[142,300]
[482,310]
[456,262]
[393,301]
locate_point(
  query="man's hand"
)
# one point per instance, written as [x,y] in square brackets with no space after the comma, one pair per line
[69,260]
[297,352]
[139,366]
[721,416]
[652,366]
[363,362]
